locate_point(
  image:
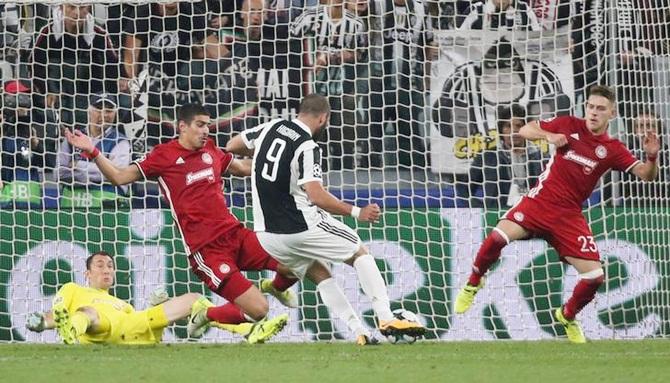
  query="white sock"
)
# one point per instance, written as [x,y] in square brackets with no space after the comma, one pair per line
[373,286]
[338,305]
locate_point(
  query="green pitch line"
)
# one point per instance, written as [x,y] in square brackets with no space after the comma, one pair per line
[556,361]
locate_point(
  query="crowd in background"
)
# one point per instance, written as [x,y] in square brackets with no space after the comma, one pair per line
[120,71]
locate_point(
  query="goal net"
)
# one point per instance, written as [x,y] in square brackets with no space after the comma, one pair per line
[425,98]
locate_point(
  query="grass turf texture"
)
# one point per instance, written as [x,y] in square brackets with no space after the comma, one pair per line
[555,361]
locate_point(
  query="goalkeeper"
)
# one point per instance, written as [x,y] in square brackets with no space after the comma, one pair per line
[91,315]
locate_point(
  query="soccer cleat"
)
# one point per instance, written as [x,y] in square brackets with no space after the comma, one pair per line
[198,323]
[286,297]
[266,329]
[466,296]
[366,340]
[64,327]
[572,327]
[401,327]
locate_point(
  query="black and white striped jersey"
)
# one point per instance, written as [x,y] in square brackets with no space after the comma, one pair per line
[285,158]
[484,15]
[330,35]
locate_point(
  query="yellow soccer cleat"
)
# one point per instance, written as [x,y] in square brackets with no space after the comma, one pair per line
[265,329]
[287,297]
[397,326]
[572,327]
[64,328]
[367,340]
[198,323]
[466,297]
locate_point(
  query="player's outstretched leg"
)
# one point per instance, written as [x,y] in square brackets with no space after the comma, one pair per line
[198,322]
[488,254]
[265,329]
[374,287]
[287,297]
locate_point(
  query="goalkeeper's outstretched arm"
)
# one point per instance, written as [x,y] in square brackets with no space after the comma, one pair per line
[117,176]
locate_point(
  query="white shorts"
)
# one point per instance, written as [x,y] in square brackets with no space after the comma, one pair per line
[328,241]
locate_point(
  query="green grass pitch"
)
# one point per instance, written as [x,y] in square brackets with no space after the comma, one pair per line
[502,361]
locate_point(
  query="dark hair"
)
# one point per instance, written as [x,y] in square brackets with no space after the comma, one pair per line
[89,260]
[314,104]
[507,113]
[187,112]
[604,91]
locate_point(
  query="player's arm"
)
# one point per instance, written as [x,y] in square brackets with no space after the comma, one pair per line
[116,175]
[532,131]
[648,170]
[240,168]
[328,202]
[237,145]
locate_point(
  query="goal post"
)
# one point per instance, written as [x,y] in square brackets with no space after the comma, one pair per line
[423,97]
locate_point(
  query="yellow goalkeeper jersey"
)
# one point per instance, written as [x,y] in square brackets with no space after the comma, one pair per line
[116,310]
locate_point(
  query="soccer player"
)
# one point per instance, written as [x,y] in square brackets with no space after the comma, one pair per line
[291,215]
[189,171]
[552,209]
[91,315]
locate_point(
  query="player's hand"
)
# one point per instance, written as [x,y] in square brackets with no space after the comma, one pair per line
[35,322]
[557,139]
[370,213]
[79,140]
[651,144]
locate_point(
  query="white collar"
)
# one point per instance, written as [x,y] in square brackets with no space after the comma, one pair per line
[57,29]
[302,125]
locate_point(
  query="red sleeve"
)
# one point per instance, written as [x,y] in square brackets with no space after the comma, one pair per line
[152,164]
[226,160]
[563,124]
[623,160]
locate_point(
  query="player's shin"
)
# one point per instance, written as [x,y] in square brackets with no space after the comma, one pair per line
[488,254]
[584,292]
[373,286]
[337,304]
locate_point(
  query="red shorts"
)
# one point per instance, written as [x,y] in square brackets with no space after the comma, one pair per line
[565,229]
[219,262]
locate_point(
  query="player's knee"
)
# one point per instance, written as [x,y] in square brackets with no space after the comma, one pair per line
[362,250]
[258,310]
[595,277]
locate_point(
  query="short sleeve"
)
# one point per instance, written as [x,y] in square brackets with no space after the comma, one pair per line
[250,136]
[153,164]
[623,160]
[226,160]
[563,124]
[302,23]
[308,157]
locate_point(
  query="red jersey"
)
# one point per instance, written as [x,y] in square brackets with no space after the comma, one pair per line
[575,169]
[191,182]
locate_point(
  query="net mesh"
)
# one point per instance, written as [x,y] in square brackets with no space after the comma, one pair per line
[424,96]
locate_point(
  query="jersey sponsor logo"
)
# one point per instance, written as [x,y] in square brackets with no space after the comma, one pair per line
[206,158]
[316,172]
[518,216]
[586,162]
[180,161]
[207,173]
[224,268]
[601,152]
[289,133]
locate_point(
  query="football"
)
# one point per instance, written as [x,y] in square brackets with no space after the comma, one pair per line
[403,339]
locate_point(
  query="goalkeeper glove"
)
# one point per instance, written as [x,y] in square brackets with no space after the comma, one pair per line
[35,322]
[158,296]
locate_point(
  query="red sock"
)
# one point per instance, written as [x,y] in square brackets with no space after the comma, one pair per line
[228,314]
[282,283]
[488,253]
[583,293]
